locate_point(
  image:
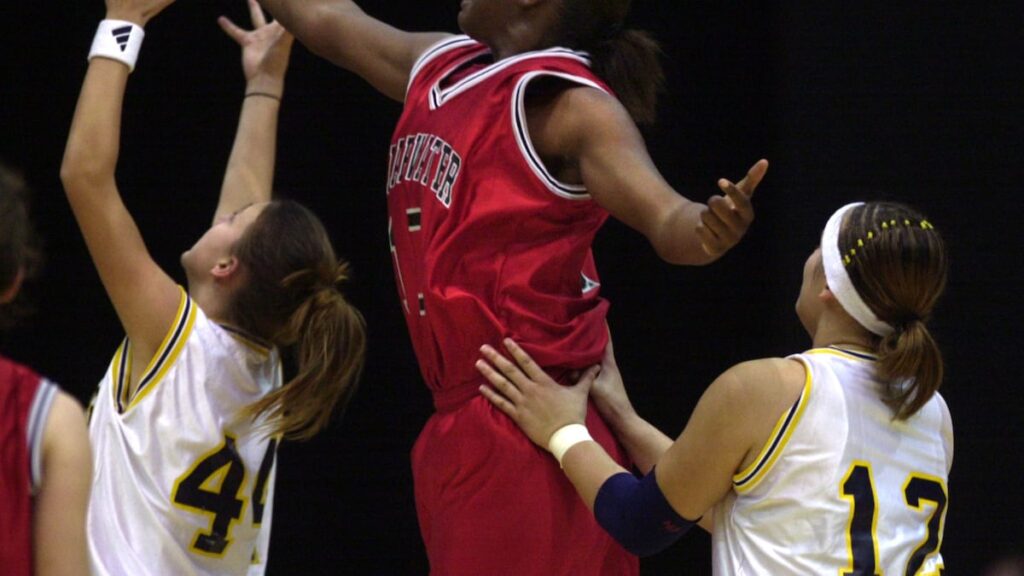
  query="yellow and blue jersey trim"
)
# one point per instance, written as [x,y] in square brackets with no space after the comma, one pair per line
[747,479]
[844,353]
[162,360]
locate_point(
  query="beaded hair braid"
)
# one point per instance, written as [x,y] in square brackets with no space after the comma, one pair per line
[885,226]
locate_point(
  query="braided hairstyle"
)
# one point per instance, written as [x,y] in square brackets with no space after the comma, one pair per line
[291,298]
[899,269]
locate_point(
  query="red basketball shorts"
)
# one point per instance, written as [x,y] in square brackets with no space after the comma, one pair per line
[491,503]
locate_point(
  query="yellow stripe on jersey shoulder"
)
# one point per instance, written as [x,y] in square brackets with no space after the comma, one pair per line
[747,479]
[169,349]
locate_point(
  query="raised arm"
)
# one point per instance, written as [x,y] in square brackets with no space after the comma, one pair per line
[341,32]
[249,177]
[605,151]
[144,296]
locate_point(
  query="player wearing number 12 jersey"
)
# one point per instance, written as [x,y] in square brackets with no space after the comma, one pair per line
[841,486]
[833,461]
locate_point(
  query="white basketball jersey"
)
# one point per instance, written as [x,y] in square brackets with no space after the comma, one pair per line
[841,488]
[183,484]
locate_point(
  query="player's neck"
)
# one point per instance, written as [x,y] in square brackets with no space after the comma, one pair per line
[841,331]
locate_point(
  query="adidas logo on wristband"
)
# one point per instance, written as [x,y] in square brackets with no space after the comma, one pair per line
[122,35]
[117,40]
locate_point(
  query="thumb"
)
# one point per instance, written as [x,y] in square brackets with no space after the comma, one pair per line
[753,177]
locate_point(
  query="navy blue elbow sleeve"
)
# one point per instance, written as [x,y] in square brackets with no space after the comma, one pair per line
[635,512]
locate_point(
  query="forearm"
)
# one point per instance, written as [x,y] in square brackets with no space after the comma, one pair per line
[300,16]
[673,236]
[340,31]
[644,443]
[632,510]
[90,157]
[249,177]
[588,466]
[323,26]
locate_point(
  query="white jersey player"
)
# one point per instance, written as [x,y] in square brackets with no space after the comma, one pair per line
[834,461]
[201,474]
[840,474]
[188,417]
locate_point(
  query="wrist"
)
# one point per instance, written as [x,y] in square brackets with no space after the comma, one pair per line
[118,40]
[127,16]
[267,96]
[266,85]
[565,438]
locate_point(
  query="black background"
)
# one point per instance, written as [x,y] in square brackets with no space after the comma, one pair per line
[917,102]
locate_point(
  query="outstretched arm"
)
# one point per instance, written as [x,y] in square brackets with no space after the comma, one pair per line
[595,133]
[144,296]
[341,32]
[249,177]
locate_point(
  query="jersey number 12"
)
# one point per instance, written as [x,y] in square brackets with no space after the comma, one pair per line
[859,489]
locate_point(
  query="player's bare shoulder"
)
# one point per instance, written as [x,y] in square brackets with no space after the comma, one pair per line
[766,384]
[563,117]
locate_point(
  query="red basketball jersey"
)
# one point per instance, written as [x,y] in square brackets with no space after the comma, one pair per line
[24,402]
[486,243]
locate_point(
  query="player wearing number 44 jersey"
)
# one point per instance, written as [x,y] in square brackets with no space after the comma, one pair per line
[833,461]
[188,417]
[179,440]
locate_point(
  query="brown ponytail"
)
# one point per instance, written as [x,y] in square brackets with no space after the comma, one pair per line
[292,300]
[899,269]
[628,60]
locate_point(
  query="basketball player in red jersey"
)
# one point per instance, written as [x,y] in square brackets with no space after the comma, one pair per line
[516,142]
[45,462]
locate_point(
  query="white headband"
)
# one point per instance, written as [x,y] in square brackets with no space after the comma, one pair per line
[839,281]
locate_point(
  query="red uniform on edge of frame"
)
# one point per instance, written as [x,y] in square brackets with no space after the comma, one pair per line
[487,244]
[25,399]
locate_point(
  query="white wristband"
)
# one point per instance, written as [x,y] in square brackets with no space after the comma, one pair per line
[566,437]
[118,40]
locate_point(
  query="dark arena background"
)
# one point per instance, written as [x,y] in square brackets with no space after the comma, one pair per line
[920,102]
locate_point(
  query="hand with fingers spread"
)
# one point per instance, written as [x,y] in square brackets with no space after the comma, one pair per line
[265,51]
[524,392]
[728,216]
